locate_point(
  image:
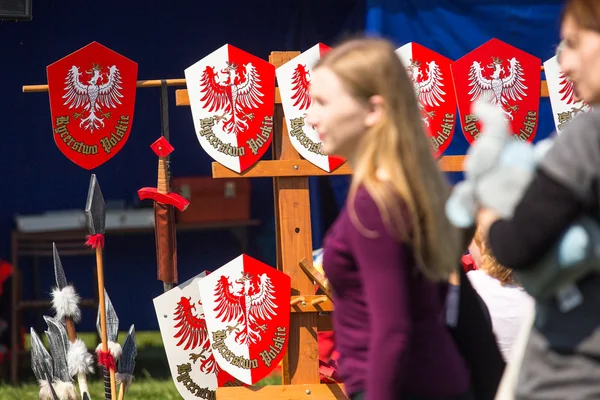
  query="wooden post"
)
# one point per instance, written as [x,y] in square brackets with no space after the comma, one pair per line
[301,362]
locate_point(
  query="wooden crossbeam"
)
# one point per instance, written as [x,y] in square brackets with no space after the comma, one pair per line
[286,392]
[282,168]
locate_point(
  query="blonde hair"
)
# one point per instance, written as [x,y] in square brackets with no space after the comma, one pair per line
[398,146]
[489,264]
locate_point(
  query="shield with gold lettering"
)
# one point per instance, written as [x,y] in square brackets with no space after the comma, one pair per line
[92,99]
[247,311]
[432,81]
[294,79]
[507,77]
[565,105]
[193,367]
[232,97]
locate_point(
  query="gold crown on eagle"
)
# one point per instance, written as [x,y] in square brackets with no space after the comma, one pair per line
[95,67]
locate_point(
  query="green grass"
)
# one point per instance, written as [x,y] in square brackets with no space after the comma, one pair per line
[142,389]
[152,377]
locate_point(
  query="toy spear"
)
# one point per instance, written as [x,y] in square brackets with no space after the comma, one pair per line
[114,348]
[59,347]
[127,363]
[164,201]
[65,301]
[41,363]
[95,212]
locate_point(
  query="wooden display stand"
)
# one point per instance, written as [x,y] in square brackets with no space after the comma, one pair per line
[294,245]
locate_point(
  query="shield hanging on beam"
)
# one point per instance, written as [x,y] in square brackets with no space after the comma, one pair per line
[434,89]
[247,311]
[293,79]
[92,99]
[507,77]
[565,106]
[232,98]
[182,325]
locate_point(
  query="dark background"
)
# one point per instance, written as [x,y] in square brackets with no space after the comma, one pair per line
[164,38]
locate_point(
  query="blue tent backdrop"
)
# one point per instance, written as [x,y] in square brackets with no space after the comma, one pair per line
[166,37]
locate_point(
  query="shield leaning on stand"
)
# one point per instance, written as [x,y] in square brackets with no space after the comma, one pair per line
[293,79]
[562,95]
[247,311]
[507,77]
[183,330]
[92,99]
[232,98]
[434,89]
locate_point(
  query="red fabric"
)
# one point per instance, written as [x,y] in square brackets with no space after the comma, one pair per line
[106,359]
[5,273]
[94,241]
[328,356]
[467,263]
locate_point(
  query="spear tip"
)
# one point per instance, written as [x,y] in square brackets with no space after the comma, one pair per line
[59,273]
[95,208]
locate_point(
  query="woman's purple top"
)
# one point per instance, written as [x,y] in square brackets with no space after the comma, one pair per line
[389,322]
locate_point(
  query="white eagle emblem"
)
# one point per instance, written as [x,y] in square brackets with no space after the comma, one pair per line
[234,94]
[93,95]
[429,91]
[498,90]
[250,304]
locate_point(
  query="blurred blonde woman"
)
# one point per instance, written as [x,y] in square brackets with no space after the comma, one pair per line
[507,302]
[391,250]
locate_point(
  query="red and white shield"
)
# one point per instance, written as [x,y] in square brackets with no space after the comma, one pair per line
[294,79]
[507,77]
[247,311]
[92,99]
[562,96]
[193,367]
[434,89]
[232,97]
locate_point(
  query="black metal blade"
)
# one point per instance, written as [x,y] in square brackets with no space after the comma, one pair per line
[59,273]
[59,347]
[41,362]
[95,208]
[112,320]
[127,360]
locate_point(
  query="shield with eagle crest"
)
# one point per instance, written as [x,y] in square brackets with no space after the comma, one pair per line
[193,367]
[505,76]
[293,79]
[92,99]
[247,312]
[565,105]
[431,77]
[232,98]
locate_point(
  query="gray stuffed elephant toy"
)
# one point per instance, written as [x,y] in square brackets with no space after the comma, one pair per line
[498,170]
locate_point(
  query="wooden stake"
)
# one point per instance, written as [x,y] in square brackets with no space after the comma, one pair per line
[122,391]
[100,272]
